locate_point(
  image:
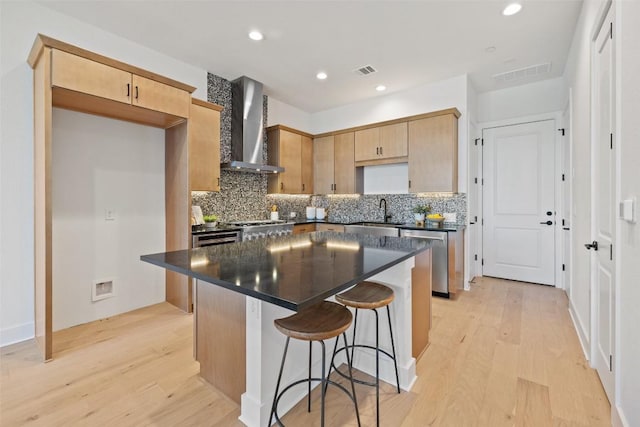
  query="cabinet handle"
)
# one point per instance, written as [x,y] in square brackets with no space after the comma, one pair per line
[128,90]
[136,92]
[282,186]
[380,150]
[409,183]
[218,183]
[303,186]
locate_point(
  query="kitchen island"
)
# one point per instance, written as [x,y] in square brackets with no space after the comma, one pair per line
[242,287]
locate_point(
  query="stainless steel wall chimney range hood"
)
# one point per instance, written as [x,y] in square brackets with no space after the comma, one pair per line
[247,128]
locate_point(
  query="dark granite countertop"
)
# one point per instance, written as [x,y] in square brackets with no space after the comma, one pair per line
[292,271]
[452,227]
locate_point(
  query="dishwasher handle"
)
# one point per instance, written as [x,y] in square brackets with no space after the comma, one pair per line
[422,236]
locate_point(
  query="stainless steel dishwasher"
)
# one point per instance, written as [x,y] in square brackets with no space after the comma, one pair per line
[439,259]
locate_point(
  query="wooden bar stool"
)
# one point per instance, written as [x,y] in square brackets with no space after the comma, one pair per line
[320,322]
[370,296]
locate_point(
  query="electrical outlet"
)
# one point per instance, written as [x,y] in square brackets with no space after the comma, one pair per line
[109,215]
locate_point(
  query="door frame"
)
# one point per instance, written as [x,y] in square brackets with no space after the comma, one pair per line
[566,165]
[556,116]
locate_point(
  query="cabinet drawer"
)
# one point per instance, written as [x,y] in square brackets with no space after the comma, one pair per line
[158,96]
[330,227]
[83,75]
[304,228]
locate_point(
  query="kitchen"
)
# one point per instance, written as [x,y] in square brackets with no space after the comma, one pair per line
[18,81]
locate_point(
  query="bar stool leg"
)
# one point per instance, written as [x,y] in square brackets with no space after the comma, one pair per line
[309,383]
[353,388]
[353,339]
[377,371]
[275,396]
[335,347]
[393,348]
[324,384]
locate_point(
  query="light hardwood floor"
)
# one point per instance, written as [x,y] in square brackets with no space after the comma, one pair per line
[503,354]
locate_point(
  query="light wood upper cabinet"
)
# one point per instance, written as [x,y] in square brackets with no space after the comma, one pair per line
[204,146]
[433,154]
[393,140]
[381,144]
[367,144]
[323,164]
[292,150]
[84,75]
[306,164]
[158,96]
[85,81]
[334,164]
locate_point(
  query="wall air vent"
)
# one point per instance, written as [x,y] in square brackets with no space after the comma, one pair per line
[365,70]
[521,73]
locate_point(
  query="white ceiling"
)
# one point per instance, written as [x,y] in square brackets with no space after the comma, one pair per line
[410,43]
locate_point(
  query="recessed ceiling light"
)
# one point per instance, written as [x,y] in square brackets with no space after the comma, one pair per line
[512,9]
[321,75]
[381,88]
[256,35]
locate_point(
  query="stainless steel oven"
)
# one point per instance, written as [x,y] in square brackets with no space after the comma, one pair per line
[214,237]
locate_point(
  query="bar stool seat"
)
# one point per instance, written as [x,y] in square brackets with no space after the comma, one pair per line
[319,322]
[367,295]
[370,296]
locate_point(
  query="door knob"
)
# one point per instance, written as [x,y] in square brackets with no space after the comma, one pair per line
[547,222]
[591,245]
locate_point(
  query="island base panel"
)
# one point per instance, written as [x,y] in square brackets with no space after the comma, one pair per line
[421,303]
[221,338]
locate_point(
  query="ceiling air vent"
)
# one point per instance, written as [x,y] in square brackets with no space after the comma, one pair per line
[521,73]
[365,70]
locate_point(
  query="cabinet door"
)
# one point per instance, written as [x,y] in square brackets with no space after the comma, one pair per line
[290,153]
[323,153]
[85,76]
[393,140]
[204,149]
[304,228]
[306,164]
[367,144]
[158,96]
[433,154]
[336,228]
[344,164]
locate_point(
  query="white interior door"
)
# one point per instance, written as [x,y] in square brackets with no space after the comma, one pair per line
[519,202]
[603,199]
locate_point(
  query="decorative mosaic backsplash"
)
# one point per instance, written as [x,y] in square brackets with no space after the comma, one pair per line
[366,207]
[243,195]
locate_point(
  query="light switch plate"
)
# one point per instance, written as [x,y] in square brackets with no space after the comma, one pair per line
[627,210]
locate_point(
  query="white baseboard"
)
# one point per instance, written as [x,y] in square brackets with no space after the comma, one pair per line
[582,335]
[617,417]
[17,333]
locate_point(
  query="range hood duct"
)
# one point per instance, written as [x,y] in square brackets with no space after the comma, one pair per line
[247,128]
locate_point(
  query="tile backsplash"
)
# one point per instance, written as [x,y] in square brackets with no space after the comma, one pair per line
[366,207]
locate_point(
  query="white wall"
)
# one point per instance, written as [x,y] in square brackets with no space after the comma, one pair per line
[101,164]
[520,101]
[578,75]
[287,115]
[19,24]
[628,349]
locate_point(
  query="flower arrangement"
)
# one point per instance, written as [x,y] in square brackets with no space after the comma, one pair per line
[210,221]
[422,209]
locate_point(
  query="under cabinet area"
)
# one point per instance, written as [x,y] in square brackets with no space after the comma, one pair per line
[334,164]
[433,154]
[292,150]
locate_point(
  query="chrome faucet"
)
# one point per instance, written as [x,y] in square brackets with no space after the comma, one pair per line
[386,217]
